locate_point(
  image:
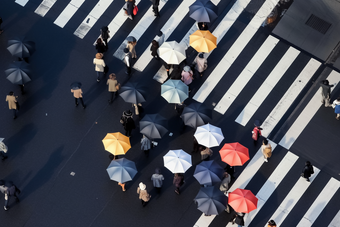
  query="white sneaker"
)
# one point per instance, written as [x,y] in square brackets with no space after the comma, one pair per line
[5,207]
[266,160]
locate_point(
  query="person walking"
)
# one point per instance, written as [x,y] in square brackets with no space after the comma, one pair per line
[122,185]
[131,46]
[127,61]
[157,180]
[203,26]
[145,145]
[78,95]
[113,86]
[160,38]
[266,149]
[307,171]
[11,190]
[3,150]
[271,223]
[256,133]
[231,170]
[224,186]
[336,106]
[100,46]
[12,103]
[178,182]
[99,65]
[1,31]
[201,63]
[144,196]
[155,4]
[130,5]
[104,33]
[206,154]
[238,219]
[187,76]
[154,47]
[326,92]
[128,122]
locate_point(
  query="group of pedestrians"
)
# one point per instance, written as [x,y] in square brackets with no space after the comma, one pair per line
[326,98]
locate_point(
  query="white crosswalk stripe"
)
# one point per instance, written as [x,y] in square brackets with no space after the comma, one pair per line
[336,220]
[44,7]
[68,12]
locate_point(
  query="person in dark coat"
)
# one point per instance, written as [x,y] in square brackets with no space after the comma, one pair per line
[307,171]
[231,170]
[130,5]
[155,4]
[154,47]
[239,219]
[178,181]
[127,61]
[128,122]
[105,35]
[326,93]
[100,46]
[203,26]
[11,190]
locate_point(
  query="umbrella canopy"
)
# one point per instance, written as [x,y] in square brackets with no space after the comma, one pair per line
[242,200]
[116,143]
[203,11]
[21,47]
[122,170]
[177,161]
[203,41]
[131,39]
[257,123]
[18,73]
[234,154]
[132,93]
[75,85]
[209,135]
[174,91]
[208,172]
[153,126]
[172,52]
[210,200]
[196,114]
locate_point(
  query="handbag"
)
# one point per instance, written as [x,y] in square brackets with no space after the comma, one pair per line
[135,10]
[117,86]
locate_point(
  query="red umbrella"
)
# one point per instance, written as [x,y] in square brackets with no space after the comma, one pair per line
[242,200]
[234,154]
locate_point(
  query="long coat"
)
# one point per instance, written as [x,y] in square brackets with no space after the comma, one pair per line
[77,93]
[129,124]
[143,195]
[308,171]
[145,144]
[11,102]
[130,5]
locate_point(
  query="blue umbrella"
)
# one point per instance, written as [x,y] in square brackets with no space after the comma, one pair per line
[18,73]
[21,47]
[203,11]
[132,93]
[196,114]
[211,200]
[122,170]
[208,173]
[153,126]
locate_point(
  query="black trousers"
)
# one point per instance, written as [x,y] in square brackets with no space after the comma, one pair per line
[128,132]
[113,93]
[14,112]
[155,10]
[81,100]
[105,41]
[128,69]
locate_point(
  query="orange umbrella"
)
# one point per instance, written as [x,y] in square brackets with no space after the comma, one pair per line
[116,143]
[242,200]
[234,154]
[203,41]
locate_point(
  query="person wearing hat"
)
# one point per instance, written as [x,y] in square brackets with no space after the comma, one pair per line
[12,103]
[271,223]
[99,65]
[144,196]
[201,63]
[78,95]
[187,76]
[128,122]
[160,38]
[157,180]
[127,61]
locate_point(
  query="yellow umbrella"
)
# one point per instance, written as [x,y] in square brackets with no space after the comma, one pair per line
[116,143]
[203,41]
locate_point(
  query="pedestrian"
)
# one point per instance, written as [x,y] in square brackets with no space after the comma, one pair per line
[78,95]
[178,182]
[113,86]
[3,150]
[154,49]
[266,149]
[157,180]
[256,133]
[307,171]
[224,186]
[326,92]
[11,190]
[127,61]
[230,169]
[271,223]
[144,196]
[122,185]
[99,65]
[336,106]
[12,103]
[203,26]
[131,46]
[155,4]
[100,46]
[128,122]
[3,187]
[238,219]
[179,107]
[201,63]
[138,109]
[160,38]
[105,35]
[1,31]
[187,76]
[130,5]
[145,145]
[206,154]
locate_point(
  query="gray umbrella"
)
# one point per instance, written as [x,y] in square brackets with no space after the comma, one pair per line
[196,114]
[21,47]
[131,39]
[208,173]
[18,73]
[132,93]
[203,11]
[211,200]
[122,170]
[153,126]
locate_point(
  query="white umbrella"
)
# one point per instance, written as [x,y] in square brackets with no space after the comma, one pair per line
[172,52]
[174,91]
[177,161]
[209,135]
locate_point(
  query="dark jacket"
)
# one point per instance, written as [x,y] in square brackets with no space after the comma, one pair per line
[154,49]
[100,47]
[239,219]
[308,171]
[105,32]
[326,89]
[129,124]
[178,181]
[130,5]
[155,2]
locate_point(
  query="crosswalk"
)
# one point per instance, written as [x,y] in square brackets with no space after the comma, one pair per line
[281,75]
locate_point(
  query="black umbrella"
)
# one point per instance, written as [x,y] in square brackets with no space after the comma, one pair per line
[132,93]
[196,114]
[76,85]
[153,126]
[211,200]
[203,11]
[21,47]
[131,39]
[18,73]
[257,123]
[208,173]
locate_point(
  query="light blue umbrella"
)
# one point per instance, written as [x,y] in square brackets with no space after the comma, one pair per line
[122,170]
[174,91]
